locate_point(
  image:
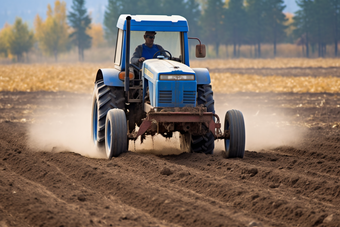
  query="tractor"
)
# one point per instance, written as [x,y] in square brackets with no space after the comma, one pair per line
[162,95]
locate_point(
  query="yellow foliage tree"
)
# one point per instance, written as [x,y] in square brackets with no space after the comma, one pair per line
[290,25]
[97,33]
[4,40]
[52,34]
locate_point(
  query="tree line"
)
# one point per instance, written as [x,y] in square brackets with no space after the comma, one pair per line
[217,22]
[317,24]
[243,22]
[58,33]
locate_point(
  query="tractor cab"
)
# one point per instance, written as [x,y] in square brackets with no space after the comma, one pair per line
[171,34]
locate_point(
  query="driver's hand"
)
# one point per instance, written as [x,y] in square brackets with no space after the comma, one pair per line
[141,59]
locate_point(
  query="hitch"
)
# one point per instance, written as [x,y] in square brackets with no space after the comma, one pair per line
[164,120]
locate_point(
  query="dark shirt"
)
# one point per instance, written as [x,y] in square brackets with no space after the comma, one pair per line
[147,52]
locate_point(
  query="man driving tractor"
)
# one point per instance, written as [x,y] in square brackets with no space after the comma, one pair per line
[146,50]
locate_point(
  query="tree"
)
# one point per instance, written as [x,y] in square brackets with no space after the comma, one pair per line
[20,39]
[110,21]
[174,7]
[4,38]
[275,19]
[151,7]
[52,34]
[236,23]
[256,22]
[213,20]
[190,9]
[289,28]
[335,4]
[80,21]
[322,32]
[303,21]
[97,34]
[192,13]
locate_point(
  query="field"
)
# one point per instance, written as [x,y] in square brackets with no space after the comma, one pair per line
[50,174]
[281,75]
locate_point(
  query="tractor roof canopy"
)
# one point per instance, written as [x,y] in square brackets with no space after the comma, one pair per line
[172,23]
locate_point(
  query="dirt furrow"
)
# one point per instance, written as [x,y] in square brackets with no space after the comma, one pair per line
[203,184]
[140,190]
[37,184]
[282,185]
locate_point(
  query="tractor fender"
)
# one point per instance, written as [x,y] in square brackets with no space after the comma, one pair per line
[202,75]
[110,77]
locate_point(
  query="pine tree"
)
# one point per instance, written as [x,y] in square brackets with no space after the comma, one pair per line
[80,21]
[150,7]
[111,15]
[192,13]
[275,19]
[256,23]
[335,22]
[236,23]
[136,7]
[212,21]
[174,7]
[322,31]
[20,39]
[304,22]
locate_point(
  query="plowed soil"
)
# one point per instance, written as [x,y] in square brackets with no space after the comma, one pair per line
[292,71]
[292,181]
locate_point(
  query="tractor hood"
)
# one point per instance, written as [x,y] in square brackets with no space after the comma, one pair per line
[162,66]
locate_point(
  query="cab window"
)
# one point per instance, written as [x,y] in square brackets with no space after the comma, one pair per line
[119,44]
[170,41]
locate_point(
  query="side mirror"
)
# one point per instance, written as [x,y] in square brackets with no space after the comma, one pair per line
[200,51]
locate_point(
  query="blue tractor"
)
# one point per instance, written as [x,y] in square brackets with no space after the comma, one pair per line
[162,95]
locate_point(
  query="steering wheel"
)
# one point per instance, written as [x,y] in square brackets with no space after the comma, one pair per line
[162,51]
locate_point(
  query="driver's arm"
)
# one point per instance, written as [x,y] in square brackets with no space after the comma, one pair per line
[137,55]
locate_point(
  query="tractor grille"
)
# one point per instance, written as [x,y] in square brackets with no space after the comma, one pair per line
[165,96]
[189,97]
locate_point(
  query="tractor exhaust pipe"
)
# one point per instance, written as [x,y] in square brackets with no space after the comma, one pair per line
[127,56]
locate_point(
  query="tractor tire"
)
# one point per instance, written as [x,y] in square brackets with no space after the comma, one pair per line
[204,143]
[104,99]
[115,133]
[235,145]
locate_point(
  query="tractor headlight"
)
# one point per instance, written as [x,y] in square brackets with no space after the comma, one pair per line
[177,77]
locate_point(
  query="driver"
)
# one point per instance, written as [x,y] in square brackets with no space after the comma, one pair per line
[146,50]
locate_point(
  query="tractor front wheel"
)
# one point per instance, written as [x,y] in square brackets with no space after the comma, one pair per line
[104,99]
[235,144]
[115,133]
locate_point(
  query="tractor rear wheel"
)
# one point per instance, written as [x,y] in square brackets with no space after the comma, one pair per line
[115,133]
[104,99]
[235,145]
[204,143]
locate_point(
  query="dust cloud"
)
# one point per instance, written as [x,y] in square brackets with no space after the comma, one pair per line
[157,145]
[266,126]
[64,124]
